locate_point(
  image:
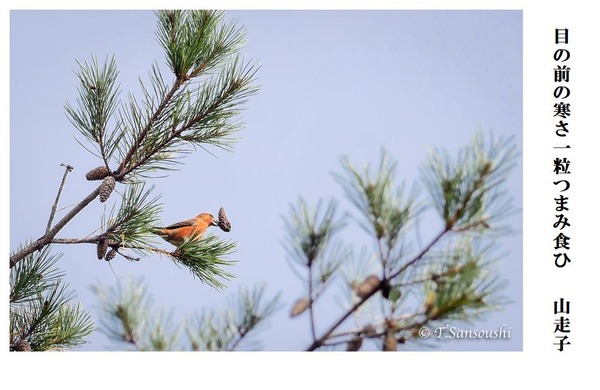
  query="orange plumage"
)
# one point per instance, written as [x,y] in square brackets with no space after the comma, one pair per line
[192,228]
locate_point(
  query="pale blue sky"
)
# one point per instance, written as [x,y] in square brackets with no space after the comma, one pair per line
[332,84]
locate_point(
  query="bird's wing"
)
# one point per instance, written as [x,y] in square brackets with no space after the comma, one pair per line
[187,222]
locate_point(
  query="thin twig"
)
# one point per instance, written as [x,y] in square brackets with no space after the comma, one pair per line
[111,242]
[130,258]
[68,169]
[353,332]
[374,335]
[423,252]
[87,240]
[241,333]
[311,301]
[117,246]
[47,238]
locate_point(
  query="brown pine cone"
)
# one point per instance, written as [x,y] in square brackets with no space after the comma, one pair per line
[366,288]
[369,330]
[21,346]
[223,222]
[110,255]
[299,307]
[354,344]
[385,290]
[101,249]
[106,188]
[98,173]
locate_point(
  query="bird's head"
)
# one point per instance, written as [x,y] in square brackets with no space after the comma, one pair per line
[209,218]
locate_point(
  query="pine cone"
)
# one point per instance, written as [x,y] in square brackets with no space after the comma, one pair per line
[223,222]
[366,288]
[369,330]
[112,242]
[110,255]
[106,188]
[101,249]
[385,290]
[299,307]
[98,173]
[354,344]
[21,346]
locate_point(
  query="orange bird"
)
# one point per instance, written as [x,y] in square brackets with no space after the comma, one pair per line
[192,228]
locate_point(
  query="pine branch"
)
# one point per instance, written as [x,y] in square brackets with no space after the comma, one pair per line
[136,213]
[87,240]
[97,103]
[196,42]
[385,214]
[466,196]
[196,110]
[41,315]
[310,231]
[32,275]
[126,310]
[155,136]
[181,117]
[204,259]
[321,340]
[127,166]
[131,319]
[466,192]
[465,286]
[229,329]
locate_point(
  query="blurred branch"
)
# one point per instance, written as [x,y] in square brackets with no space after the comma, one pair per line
[468,196]
[310,232]
[130,318]
[321,340]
